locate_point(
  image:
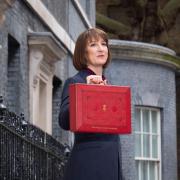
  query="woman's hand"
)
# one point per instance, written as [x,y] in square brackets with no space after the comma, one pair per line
[95,79]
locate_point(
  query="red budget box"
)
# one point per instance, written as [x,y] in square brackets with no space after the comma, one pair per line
[100,109]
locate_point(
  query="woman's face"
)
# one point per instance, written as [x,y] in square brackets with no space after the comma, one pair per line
[96,52]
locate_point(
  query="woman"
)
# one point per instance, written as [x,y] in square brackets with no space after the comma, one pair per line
[94,156]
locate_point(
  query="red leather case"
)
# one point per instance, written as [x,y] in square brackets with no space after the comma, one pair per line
[100,109]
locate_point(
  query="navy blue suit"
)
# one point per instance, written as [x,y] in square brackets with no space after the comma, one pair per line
[95,156]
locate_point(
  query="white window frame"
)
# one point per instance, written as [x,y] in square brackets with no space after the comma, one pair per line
[41,116]
[149,159]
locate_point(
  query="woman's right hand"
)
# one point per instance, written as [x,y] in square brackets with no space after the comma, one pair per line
[95,79]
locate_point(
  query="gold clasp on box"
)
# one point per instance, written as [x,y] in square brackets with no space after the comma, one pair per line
[104,107]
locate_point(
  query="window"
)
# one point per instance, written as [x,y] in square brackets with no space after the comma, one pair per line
[42,120]
[13,75]
[147,143]
[56,97]
[41,96]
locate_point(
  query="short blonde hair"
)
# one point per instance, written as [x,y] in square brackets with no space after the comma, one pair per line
[79,60]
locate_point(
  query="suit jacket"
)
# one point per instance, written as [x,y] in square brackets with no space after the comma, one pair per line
[94,155]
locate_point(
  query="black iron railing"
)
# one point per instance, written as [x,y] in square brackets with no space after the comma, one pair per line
[26,152]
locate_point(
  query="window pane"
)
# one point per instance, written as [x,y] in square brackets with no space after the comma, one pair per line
[147,143]
[154,146]
[144,170]
[138,122]
[138,145]
[146,121]
[152,171]
[154,122]
[146,146]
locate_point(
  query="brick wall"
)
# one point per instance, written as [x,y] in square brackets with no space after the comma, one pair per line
[152,85]
[20,20]
[13,83]
[3,61]
[15,74]
[59,9]
[57,90]
[178,120]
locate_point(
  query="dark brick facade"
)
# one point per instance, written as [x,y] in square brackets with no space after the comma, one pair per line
[16,25]
[178,120]
[13,74]
[153,86]
[159,84]
[20,19]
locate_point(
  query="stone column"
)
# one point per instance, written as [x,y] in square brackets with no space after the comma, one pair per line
[150,71]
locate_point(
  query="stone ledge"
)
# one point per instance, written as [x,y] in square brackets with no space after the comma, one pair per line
[131,50]
[47,42]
